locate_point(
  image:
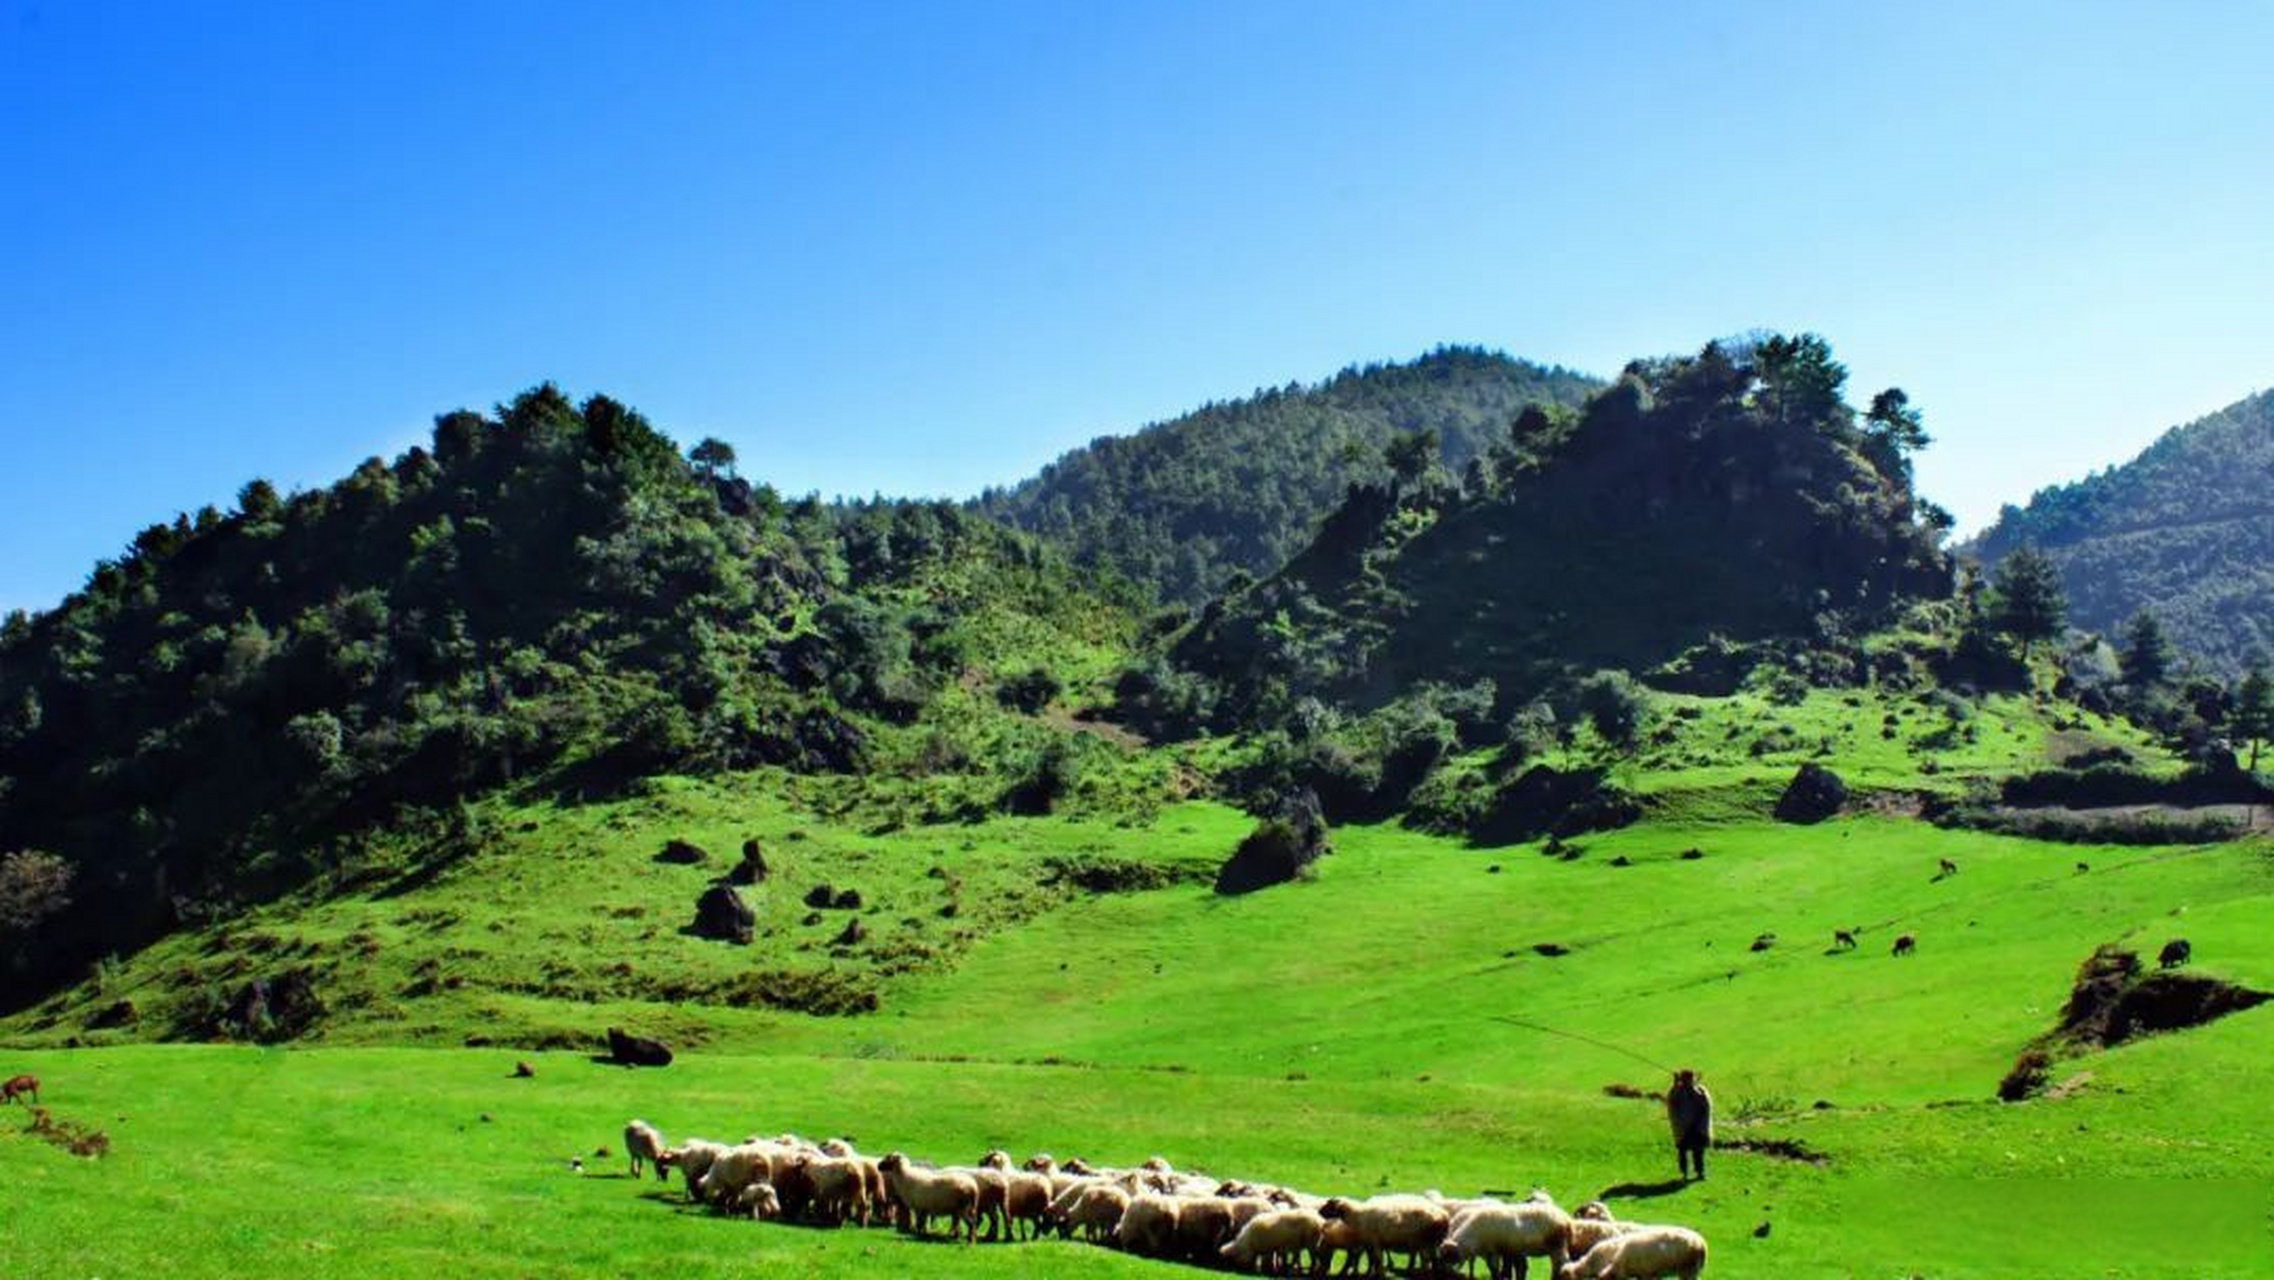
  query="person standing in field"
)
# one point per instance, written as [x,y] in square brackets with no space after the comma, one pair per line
[1689,1109]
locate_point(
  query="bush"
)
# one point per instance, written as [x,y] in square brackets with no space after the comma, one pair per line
[1616,706]
[1029,691]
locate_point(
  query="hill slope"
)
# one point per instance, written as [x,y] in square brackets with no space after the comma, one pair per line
[1182,505]
[2184,531]
[1723,495]
[551,601]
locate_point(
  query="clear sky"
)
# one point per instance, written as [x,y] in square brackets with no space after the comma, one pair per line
[922,247]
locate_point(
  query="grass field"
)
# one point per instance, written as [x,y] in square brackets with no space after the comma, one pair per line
[1341,1034]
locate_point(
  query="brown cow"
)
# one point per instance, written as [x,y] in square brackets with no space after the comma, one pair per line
[20,1087]
[1905,945]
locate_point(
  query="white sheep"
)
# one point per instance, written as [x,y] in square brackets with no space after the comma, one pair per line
[645,1145]
[1276,1240]
[1592,1225]
[735,1169]
[1205,1224]
[1405,1224]
[840,1187]
[1504,1235]
[1148,1225]
[1644,1253]
[1094,1208]
[760,1201]
[922,1194]
[693,1159]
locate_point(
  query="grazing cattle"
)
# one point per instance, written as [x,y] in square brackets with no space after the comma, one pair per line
[1905,945]
[2175,953]
[23,1086]
[1843,940]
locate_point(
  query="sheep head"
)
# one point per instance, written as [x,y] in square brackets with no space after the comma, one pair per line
[1334,1209]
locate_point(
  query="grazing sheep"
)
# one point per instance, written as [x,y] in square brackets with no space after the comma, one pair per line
[1391,1224]
[760,1201]
[1589,1230]
[1277,1241]
[1645,1253]
[1060,1179]
[922,1194]
[1026,1199]
[739,1166]
[1094,1209]
[693,1159]
[1905,945]
[1504,1235]
[1843,940]
[1148,1225]
[994,1196]
[645,1145]
[1945,869]
[1337,1237]
[2175,953]
[839,1185]
[2083,867]
[23,1086]
[843,1150]
[1205,1224]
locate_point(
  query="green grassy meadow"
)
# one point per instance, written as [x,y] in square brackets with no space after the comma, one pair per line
[1342,1034]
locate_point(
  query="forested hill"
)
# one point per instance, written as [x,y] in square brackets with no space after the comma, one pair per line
[2184,531]
[1733,494]
[1241,486]
[550,599]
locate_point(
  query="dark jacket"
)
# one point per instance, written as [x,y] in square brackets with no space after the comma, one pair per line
[1689,1109]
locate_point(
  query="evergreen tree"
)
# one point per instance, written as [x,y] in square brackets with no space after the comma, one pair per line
[1412,457]
[2147,655]
[713,457]
[2252,719]
[2031,604]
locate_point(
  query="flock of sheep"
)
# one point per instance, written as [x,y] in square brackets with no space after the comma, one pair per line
[1156,1211]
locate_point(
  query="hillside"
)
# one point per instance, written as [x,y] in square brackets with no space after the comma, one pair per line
[1277,1036]
[549,601]
[1733,495]
[1181,506]
[2184,531]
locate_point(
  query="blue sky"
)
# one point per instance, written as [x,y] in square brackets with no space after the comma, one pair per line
[921,248]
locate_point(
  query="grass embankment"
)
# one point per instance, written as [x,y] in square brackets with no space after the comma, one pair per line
[1340,1034]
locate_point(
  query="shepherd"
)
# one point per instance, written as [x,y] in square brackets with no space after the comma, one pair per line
[1689,1110]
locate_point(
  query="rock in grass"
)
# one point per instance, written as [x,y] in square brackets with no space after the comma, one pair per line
[682,853]
[721,914]
[1292,838]
[1815,793]
[752,868]
[636,1051]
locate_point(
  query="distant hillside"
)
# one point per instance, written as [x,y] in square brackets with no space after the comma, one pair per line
[1182,505]
[1733,494]
[550,600]
[2185,531]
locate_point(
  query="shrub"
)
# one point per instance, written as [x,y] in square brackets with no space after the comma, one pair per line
[1029,691]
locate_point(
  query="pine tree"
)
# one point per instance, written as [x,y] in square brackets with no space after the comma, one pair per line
[2252,719]
[2031,604]
[2147,656]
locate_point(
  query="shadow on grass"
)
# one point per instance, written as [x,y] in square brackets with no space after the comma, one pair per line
[1643,1190]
